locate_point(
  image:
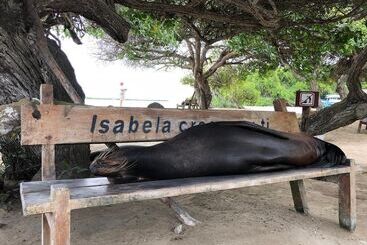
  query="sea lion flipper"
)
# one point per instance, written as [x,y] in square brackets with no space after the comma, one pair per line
[254,127]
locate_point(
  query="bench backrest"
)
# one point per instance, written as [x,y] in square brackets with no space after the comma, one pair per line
[48,124]
[67,124]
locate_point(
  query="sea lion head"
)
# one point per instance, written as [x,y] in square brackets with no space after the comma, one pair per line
[111,163]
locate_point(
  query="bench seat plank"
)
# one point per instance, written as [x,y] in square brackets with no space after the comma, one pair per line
[38,186]
[98,191]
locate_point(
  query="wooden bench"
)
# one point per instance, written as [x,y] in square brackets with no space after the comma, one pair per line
[49,124]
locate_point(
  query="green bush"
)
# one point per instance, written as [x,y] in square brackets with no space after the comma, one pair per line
[258,88]
[237,95]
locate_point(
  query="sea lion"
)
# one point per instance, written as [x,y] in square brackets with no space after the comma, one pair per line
[218,148]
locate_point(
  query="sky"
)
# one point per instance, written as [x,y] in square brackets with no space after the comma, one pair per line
[101,79]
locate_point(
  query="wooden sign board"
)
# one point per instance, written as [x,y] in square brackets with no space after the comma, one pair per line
[307,99]
[66,124]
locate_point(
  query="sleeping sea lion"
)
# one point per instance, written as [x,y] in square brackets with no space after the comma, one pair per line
[219,148]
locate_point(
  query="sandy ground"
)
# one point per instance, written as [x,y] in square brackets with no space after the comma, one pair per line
[257,215]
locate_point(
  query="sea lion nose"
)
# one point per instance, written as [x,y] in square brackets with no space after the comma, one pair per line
[93,167]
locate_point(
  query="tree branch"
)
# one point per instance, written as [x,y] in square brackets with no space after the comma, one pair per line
[195,3]
[264,17]
[42,45]
[98,11]
[224,56]
[182,11]
[354,74]
[353,108]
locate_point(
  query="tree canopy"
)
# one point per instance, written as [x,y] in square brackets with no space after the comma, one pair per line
[184,43]
[273,26]
[315,54]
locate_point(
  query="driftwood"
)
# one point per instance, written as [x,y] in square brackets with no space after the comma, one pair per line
[181,214]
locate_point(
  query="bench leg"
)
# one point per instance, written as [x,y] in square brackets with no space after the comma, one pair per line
[359,127]
[299,196]
[56,225]
[347,201]
[46,230]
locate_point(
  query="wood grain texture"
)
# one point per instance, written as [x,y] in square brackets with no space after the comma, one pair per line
[48,162]
[60,218]
[37,186]
[46,94]
[46,229]
[48,170]
[48,151]
[67,124]
[36,202]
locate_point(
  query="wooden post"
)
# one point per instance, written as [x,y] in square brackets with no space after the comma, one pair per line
[305,115]
[47,94]
[361,123]
[280,105]
[48,162]
[48,151]
[347,200]
[299,196]
[47,165]
[60,218]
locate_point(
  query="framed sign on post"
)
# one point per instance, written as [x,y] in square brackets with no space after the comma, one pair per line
[307,99]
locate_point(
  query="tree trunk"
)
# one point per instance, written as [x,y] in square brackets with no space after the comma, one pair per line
[352,108]
[203,92]
[22,71]
[338,115]
[341,87]
[314,84]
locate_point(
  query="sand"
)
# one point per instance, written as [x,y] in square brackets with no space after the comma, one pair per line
[257,215]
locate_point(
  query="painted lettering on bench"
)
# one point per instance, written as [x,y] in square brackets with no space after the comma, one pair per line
[183,126]
[119,127]
[147,127]
[166,127]
[133,125]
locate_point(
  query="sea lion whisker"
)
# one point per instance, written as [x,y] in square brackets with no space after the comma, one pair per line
[130,166]
[125,164]
[105,153]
